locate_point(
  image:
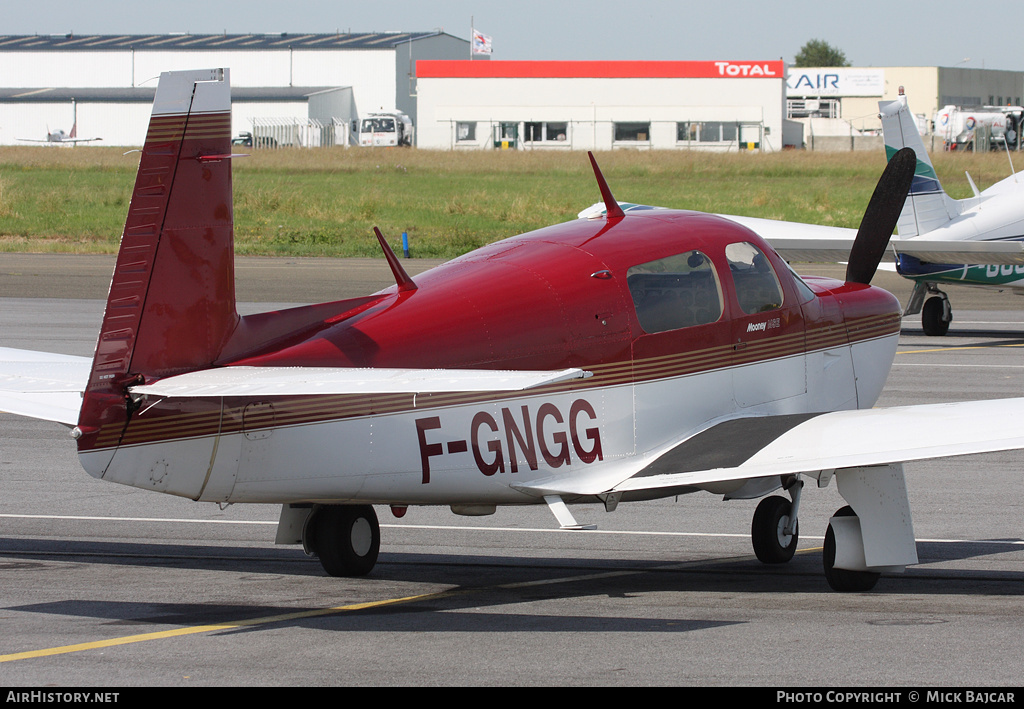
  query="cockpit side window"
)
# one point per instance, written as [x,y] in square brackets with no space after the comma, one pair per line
[675,292]
[757,285]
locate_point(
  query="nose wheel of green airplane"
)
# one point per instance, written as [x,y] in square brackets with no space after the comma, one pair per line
[936,315]
[775,530]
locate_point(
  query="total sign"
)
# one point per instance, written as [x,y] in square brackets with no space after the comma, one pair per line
[766,69]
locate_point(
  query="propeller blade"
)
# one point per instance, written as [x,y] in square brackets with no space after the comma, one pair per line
[881,216]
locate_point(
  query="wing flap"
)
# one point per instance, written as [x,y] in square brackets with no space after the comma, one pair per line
[42,385]
[293,381]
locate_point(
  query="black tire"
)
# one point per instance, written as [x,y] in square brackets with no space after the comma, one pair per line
[844,580]
[346,539]
[932,317]
[771,544]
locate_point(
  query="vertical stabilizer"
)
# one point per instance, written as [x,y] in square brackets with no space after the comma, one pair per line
[927,206]
[171,305]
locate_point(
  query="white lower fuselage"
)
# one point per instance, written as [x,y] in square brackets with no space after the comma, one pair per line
[481,450]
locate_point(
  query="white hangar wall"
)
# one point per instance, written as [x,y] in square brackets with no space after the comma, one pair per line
[376,66]
[121,124]
[601,105]
[370,73]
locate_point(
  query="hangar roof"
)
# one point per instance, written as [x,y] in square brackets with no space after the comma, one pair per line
[208,42]
[145,94]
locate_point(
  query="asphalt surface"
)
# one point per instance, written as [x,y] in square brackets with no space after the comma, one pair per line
[107,586]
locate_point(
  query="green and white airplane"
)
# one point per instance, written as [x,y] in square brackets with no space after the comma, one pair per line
[978,241]
[992,221]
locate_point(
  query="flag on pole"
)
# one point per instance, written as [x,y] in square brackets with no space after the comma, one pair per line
[481,43]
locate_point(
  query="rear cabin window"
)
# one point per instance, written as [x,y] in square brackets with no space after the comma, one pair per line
[757,286]
[675,292]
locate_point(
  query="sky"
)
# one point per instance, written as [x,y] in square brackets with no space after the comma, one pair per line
[869,32]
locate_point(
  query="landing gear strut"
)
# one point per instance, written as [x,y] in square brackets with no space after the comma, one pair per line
[775,529]
[346,538]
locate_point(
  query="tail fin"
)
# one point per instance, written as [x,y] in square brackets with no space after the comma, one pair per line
[928,206]
[171,305]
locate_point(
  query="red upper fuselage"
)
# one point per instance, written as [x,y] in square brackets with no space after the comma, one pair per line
[560,297]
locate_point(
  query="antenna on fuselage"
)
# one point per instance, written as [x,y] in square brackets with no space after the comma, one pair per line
[880,217]
[401,277]
[611,207]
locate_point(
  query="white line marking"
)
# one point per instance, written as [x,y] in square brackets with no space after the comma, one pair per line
[535,530]
[985,366]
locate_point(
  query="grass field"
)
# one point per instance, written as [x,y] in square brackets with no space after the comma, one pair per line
[326,202]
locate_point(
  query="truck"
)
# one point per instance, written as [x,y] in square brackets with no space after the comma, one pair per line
[958,125]
[385,128]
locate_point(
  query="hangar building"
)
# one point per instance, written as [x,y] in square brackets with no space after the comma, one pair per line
[108,82]
[601,105]
[849,96]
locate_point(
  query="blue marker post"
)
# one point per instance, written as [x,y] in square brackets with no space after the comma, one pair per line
[405,244]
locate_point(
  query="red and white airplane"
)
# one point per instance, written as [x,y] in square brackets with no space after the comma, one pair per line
[617,358]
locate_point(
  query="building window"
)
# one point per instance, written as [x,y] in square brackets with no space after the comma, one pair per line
[633,132]
[707,132]
[675,292]
[465,131]
[550,132]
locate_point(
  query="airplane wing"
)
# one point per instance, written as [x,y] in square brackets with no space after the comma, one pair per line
[824,244]
[297,381]
[770,446]
[62,141]
[815,243]
[42,385]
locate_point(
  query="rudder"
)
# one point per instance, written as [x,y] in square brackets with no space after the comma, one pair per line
[927,206]
[171,305]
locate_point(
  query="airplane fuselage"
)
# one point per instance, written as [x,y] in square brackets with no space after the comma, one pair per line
[677,331]
[993,216]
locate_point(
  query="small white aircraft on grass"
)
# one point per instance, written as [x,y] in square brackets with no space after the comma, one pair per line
[628,356]
[59,137]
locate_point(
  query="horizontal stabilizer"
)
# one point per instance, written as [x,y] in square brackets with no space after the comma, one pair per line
[298,381]
[42,385]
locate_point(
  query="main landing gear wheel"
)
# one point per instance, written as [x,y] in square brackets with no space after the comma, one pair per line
[772,545]
[933,317]
[346,538]
[844,580]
